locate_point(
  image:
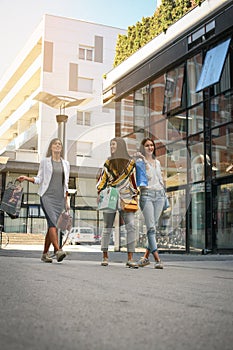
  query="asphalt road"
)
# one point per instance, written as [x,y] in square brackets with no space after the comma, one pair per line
[78,304]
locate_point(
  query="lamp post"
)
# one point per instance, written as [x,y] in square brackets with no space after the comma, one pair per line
[62,120]
[60,102]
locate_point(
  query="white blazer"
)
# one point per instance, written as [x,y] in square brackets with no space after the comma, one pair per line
[45,174]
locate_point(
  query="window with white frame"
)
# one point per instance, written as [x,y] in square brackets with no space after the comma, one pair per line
[85,85]
[83,148]
[83,118]
[86,53]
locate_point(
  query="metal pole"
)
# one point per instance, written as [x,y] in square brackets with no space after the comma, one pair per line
[61,120]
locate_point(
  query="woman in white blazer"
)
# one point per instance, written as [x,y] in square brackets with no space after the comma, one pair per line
[52,178]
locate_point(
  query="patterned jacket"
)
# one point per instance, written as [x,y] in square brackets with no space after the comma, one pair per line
[111,178]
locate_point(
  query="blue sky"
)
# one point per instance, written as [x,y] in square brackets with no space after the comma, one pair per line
[19,18]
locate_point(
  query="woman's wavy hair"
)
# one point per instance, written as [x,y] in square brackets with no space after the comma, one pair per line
[142,149]
[49,151]
[119,160]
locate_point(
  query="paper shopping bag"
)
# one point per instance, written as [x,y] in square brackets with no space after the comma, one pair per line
[12,199]
[141,177]
[108,199]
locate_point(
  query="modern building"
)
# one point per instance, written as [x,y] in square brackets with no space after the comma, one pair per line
[178,89]
[54,88]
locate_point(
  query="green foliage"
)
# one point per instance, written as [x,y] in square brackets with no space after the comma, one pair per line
[142,32]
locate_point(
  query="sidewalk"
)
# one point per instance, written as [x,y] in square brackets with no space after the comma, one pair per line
[93,253]
[79,304]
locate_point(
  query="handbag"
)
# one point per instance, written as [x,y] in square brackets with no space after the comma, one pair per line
[12,199]
[127,194]
[129,205]
[108,199]
[166,212]
[64,221]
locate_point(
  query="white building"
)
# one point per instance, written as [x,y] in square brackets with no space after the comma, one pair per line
[58,72]
[64,57]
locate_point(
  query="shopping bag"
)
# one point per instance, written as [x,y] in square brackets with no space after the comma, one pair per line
[141,178]
[166,213]
[108,199]
[12,199]
[166,203]
[64,222]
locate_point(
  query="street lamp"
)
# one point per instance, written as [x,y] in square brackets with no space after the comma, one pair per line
[61,102]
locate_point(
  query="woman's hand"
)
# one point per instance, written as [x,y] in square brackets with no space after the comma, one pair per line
[22,178]
[98,198]
[140,155]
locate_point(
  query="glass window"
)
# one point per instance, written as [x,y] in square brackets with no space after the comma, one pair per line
[177,127]
[141,108]
[195,119]
[194,66]
[127,115]
[159,132]
[225,81]
[82,54]
[89,55]
[197,220]
[173,89]
[33,198]
[83,118]
[33,210]
[222,150]
[213,65]
[157,90]
[171,233]
[224,216]
[157,127]
[86,53]
[197,159]
[176,166]
[221,109]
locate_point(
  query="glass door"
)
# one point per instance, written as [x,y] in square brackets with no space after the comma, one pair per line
[223,215]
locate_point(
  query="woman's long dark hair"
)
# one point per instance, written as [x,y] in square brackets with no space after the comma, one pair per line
[119,159]
[49,151]
[142,149]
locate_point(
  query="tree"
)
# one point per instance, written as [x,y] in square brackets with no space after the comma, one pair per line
[140,34]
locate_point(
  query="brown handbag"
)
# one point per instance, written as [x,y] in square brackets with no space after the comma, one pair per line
[129,204]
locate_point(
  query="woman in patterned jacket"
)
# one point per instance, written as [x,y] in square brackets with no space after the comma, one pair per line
[118,171]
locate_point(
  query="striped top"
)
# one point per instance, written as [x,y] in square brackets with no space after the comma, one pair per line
[111,178]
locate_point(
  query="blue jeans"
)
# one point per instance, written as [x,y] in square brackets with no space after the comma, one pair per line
[128,220]
[151,204]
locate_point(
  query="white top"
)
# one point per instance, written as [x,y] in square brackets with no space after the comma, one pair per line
[154,175]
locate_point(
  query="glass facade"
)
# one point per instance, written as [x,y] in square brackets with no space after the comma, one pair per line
[193,133]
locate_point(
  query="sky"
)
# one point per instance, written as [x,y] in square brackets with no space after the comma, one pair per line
[19,18]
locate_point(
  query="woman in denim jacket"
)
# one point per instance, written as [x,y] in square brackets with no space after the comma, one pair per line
[152,198]
[52,178]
